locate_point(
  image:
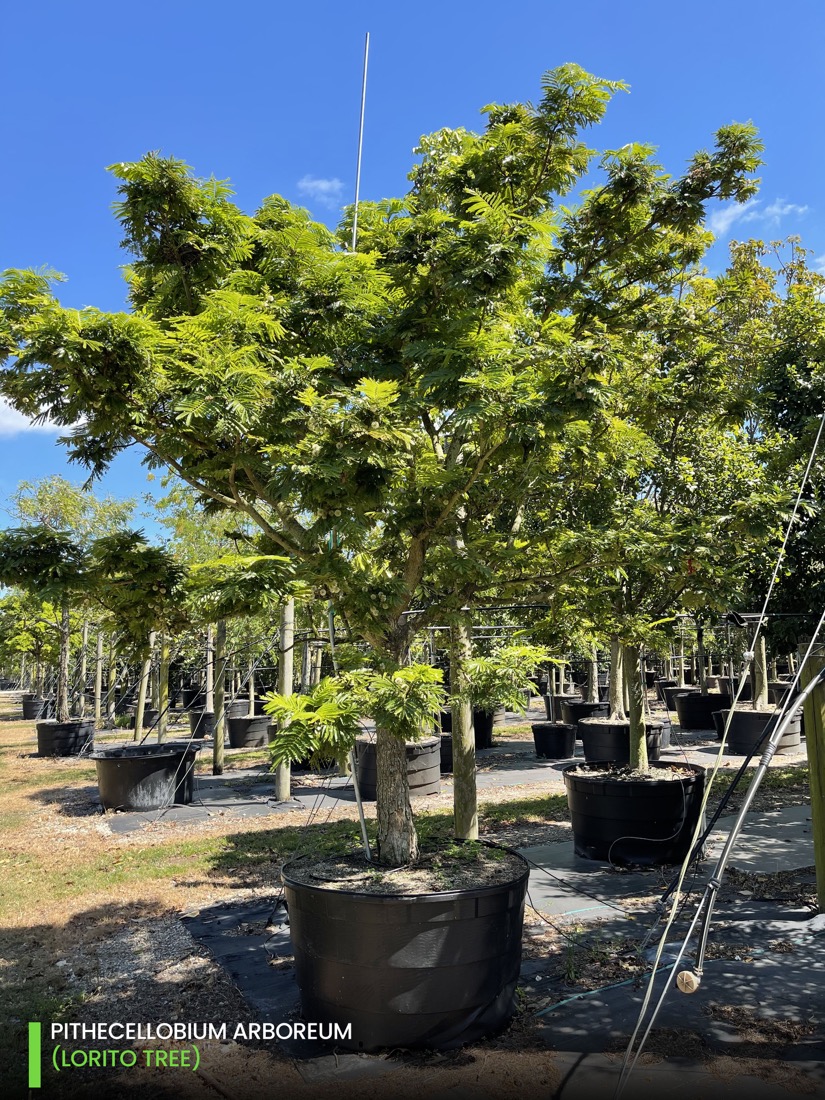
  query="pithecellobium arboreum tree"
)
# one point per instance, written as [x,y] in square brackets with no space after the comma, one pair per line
[401,395]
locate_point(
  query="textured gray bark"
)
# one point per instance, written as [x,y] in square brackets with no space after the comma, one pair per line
[397,838]
[465,799]
[632,664]
[220,698]
[616,691]
[286,658]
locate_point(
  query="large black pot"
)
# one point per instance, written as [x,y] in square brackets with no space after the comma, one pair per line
[670,694]
[747,727]
[193,698]
[431,970]
[554,740]
[573,712]
[729,685]
[611,740]
[778,690]
[446,753]
[151,717]
[248,733]
[483,722]
[661,684]
[650,678]
[37,707]
[553,705]
[423,767]
[65,738]
[202,723]
[640,821]
[695,711]
[146,777]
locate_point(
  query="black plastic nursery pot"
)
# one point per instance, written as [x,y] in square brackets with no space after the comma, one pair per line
[670,694]
[604,740]
[37,707]
[201,723]
[248,733]
[646,821]
[661,684]
[483,722]
[446,753]
[193,698]
[778,690]
[553,705]
[65,738]
[554,740]
[573,711]
[650,678]
[146,777]
[423,767]
[446,721]
[747,727]
[432,970]
[151,717]
[695,710]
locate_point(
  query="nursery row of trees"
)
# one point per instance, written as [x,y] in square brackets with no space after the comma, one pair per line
[494,399]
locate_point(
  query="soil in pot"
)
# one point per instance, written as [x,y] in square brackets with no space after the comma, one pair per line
[423,767]
[430,961]
[626,817]
[608,739]
[146,777]
[748,725]
[65,738]
[554,740]
[248,733]
[695,710]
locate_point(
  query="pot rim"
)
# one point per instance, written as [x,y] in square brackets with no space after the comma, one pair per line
[697,769]
[132,751]
[441,895]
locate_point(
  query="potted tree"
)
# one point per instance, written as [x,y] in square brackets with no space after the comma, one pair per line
[381,410]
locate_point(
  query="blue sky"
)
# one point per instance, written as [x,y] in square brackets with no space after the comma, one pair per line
[267,96]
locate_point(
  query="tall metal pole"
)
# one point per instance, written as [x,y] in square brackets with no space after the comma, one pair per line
[360,142]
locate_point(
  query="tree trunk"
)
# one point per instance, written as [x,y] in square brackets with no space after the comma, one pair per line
[680,675]
[286,661]
[99,680]
[251,711]
[616,690]
[111,682]
[84,642]
[700,659]
[465,800]
[591,694]
[62,705]
[760,675]
[632,664]
[209,681]
[143,689]
[397,838]
[220,700]
[163,687]
[814,712]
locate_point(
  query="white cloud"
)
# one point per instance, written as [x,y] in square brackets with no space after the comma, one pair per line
[819,264]
[722,220]
[326,192]
[13,423]
[780,209]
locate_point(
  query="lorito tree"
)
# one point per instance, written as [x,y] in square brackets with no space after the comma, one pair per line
[393,394]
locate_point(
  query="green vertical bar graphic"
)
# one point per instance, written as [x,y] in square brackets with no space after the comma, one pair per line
[34,1056]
